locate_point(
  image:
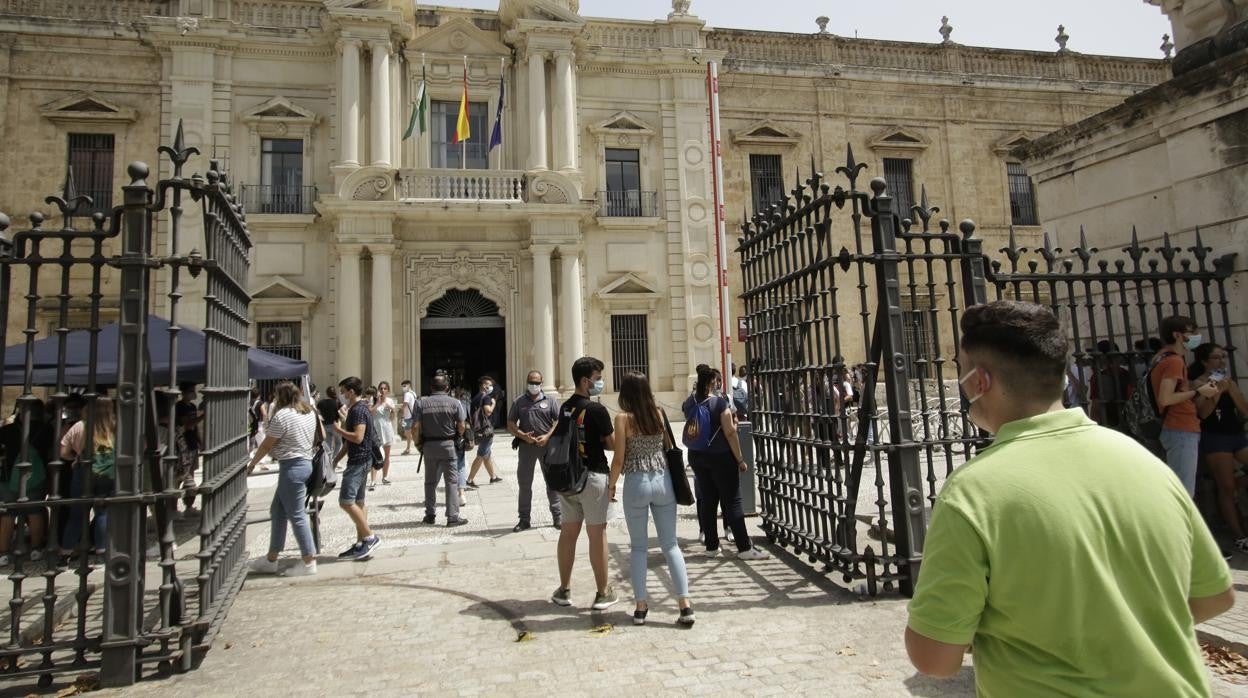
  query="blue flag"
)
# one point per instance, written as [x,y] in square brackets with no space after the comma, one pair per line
[496,137]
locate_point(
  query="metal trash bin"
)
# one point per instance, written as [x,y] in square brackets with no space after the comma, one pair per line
[749,497]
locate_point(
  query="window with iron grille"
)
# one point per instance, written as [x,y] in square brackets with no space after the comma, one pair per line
[445,154]
[630,346]
[918,337]
[899,174]
[766,180]
[91,157]
[281,175]
[281,338]
[1022,196]
[623,182]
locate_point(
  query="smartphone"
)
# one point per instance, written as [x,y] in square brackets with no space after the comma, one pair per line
[1217,376]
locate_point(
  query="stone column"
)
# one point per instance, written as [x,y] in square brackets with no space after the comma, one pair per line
[396,110]
[537,111]
[379,116]
[349,103]
[382,315]
[349,310]
[571,320]
[543,317]
[563,128]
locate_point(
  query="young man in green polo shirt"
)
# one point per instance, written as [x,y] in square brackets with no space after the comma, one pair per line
[1066,554]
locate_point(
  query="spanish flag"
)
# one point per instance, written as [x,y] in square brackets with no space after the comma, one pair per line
[462,131]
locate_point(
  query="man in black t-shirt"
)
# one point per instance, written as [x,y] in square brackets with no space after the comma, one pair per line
[594,436]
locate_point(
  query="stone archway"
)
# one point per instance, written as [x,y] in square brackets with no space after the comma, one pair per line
[463,334]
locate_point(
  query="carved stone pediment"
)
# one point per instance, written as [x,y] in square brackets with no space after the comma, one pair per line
[1003,146]
[624,123]
[282,289]
[282,110]
[766,132]
[628,291]
[899,138]
[86,106]
[430,275]
[545,10]
[459,37]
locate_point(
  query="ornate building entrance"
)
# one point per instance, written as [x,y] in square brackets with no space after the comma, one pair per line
[463,334]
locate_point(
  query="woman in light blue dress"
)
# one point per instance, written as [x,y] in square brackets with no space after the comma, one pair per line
[383,409]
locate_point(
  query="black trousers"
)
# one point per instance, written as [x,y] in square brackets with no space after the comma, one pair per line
[719,485]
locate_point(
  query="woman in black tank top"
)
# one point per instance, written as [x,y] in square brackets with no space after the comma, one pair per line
[1223,443]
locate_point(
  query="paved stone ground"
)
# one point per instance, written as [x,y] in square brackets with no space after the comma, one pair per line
[444,611]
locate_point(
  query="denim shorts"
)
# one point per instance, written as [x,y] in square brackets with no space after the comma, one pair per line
[1222,443]
[485,447]
[352,485]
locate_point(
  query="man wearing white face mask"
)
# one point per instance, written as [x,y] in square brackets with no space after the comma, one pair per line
[594,436]
[532,420]
[1180,405]
[1067,554]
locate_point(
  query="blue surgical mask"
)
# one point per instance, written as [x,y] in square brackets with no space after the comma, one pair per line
[535,389]
[597,388]
[1193,341]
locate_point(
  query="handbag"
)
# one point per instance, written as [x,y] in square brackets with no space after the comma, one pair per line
[676,467]
[323,478]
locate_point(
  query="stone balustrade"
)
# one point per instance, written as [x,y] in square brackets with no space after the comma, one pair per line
[112,11]
[287,15]
[461,185]
[624,35]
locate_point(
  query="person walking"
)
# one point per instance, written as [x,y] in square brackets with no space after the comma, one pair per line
[640,442]
[532,420]
[717,466]
[1180,405]
[94,473]
[259,415]
[355,430]
[1039,529]
[593,438]
[290,439]
[383,410]
[1223,443]
[189,416]
[327,408]
[442,423]
[406,416]
[482,425]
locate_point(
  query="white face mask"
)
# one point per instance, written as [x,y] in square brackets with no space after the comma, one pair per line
[597,388]
[1194,341]
[535,389]
[962,383]
[488,389]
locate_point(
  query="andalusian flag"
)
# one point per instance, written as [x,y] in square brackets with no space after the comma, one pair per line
[419,109]
[462,130]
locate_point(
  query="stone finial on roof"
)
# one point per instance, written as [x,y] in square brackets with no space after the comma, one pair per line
[1061,38]
[681,7]
[1166,45]
[945,30]
[823,24]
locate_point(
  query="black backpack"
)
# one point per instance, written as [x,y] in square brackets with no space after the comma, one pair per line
[564,466]
[1139,413]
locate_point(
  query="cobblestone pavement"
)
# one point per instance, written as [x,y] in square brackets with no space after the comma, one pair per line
[465,611]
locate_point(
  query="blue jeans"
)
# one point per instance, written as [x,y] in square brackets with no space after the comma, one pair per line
[100,487]
[289,505]
[462,468]
[1182,452]
[644,494]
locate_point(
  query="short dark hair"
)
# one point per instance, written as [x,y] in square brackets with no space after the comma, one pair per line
[405,382]
[584,367]
[354,384]
[1026,342]
[1175,323]
[186,387]
[483,379]
[331,393]
[439,384]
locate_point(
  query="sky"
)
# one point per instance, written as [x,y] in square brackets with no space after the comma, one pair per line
[1109,27]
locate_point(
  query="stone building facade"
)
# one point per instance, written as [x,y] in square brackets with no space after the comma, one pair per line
[590,229]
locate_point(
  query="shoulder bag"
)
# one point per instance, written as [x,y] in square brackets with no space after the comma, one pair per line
[676,467]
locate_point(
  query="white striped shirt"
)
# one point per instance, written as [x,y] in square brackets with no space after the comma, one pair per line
[295,434]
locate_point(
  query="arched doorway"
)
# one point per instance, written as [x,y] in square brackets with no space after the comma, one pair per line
[463,333]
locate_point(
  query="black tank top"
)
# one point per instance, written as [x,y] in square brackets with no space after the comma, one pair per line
[1225,418]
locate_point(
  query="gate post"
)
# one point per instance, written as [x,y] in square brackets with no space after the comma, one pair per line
[972,250]
[905,476]
[123,584]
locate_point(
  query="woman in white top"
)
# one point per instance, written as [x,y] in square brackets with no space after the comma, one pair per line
[383,410]
[290,438]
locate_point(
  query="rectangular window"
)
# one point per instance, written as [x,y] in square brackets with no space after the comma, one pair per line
[448,155]
[281,338]
[899,173]
[1022,196]
[91,157]
[630,346]
[623,182]
[281,175]
[766,180]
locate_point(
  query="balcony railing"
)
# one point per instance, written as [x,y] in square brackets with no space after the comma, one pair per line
[461,185]
[630,203]
[272,198]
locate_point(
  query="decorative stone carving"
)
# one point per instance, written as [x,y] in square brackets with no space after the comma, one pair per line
[551,188]
[1061,38]
[946,30]
[372,189]
[822,22]
[430,275]
[186,25]
[1166,45]
[680,7]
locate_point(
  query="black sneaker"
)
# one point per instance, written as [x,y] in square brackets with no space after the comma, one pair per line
[428,519]
[522,526]
[456,522]
[470,485]
[495,479]
[351,552]
[686,617]
[639,616]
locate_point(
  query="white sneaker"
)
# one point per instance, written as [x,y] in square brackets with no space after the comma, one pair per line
[263,565]
[301,569]
[710,553]
[752,554]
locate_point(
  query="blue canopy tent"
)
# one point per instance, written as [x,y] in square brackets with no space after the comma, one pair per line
[261,365]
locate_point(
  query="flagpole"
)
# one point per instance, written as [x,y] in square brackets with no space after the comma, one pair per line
[421,137]
[463,144]
[502,75]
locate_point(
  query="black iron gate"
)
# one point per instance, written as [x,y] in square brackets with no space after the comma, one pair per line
[826,295]
[127,610]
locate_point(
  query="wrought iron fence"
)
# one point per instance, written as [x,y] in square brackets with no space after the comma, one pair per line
[133,611]
[833,274]
[630,203]
[279,198]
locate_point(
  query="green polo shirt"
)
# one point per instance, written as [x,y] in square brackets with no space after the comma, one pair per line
[1065,554]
